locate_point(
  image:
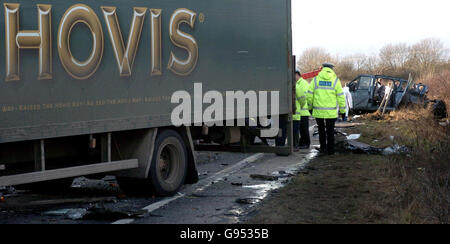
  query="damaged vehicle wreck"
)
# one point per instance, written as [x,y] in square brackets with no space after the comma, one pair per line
[374,92]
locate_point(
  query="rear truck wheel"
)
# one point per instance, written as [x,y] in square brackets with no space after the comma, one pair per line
[169,163]
[168,168]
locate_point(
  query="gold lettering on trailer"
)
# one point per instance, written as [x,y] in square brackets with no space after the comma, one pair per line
[80,13]
[183,40]
[156,42]
[40,39]
[124,57]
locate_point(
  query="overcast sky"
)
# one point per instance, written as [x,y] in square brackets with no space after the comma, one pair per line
[362,26]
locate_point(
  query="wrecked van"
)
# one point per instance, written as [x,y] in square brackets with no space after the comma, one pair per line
[368,92]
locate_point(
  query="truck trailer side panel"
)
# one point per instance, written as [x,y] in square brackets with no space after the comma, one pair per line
[241,45]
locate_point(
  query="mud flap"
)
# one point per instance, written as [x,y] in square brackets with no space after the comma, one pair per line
[192,173]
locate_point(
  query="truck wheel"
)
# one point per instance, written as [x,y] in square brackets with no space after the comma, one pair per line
[169,163]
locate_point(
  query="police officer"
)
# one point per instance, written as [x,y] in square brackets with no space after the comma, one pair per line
[297,117]
[302,112]
[325,94]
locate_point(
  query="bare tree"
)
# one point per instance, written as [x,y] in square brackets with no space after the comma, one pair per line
[361,61]
[373,65]
[426,55]
[312,59]
[345,68]
[365,64]
[394,58]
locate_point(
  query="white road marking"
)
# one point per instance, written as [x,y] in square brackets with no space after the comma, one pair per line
[123,222]
[152,207]
[200,186]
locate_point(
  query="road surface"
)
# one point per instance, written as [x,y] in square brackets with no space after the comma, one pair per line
[230,186]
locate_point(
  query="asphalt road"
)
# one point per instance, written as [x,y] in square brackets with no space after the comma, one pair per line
[227,192]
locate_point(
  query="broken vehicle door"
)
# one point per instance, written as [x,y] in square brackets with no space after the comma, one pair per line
[361,90]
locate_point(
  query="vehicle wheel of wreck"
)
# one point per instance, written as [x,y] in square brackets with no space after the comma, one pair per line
[439,110]
[168,168]
[169,163]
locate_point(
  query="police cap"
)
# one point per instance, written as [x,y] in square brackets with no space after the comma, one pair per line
[328,65]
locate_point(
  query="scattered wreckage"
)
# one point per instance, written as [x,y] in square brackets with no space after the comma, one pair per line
[350,143]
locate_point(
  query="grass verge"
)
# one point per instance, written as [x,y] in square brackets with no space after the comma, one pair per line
[356,188]
[340,189]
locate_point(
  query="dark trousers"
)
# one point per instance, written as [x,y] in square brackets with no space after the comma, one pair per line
[281,141]
[326,134]
[304,131]
[296,133]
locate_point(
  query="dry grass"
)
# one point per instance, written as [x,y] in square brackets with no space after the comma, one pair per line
[423,177]
[341,189]
[415,113]
[411,113]
[420,178]
[359,188]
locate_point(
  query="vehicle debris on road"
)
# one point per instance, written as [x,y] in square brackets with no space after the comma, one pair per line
[95,212]
[359,147]
[284,174]
[264,177]
[70,213]
[6,191]
[248,200]
[353,136]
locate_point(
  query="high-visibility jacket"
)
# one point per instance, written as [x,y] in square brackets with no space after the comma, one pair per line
[325,94]
[302,108]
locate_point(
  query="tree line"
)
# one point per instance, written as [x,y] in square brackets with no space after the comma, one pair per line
[428,56]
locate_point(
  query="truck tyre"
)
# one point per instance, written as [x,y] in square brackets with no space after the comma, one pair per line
[168,167]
